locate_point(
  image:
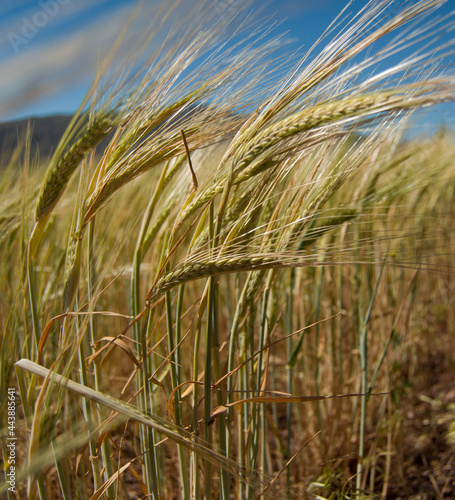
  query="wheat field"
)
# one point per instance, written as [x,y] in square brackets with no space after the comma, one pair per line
[248,293]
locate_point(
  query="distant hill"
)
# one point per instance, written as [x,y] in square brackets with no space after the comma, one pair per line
[47,132]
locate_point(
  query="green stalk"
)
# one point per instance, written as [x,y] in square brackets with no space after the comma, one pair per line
[317,309]
[242,422]
[363,347]
[289,385]
[208,367]
[359,313]
[197,341]
[105,448]
[32,296]
[389,341]
[177,406]
[87,411]
[146,435]
[149,434]
[340,325]
[250,417]
[208,388]
[233,338]
[61,476]
[184,477]
[263,339]
[81,493]
[222,430]
[41,487]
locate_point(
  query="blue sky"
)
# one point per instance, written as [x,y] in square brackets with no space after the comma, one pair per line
[49,49]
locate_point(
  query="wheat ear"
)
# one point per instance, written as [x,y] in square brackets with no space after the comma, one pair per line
[62,168]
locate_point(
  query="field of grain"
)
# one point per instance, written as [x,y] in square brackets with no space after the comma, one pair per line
[249,292]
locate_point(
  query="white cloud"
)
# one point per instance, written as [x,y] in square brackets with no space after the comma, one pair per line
[52,65]
[44,67]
